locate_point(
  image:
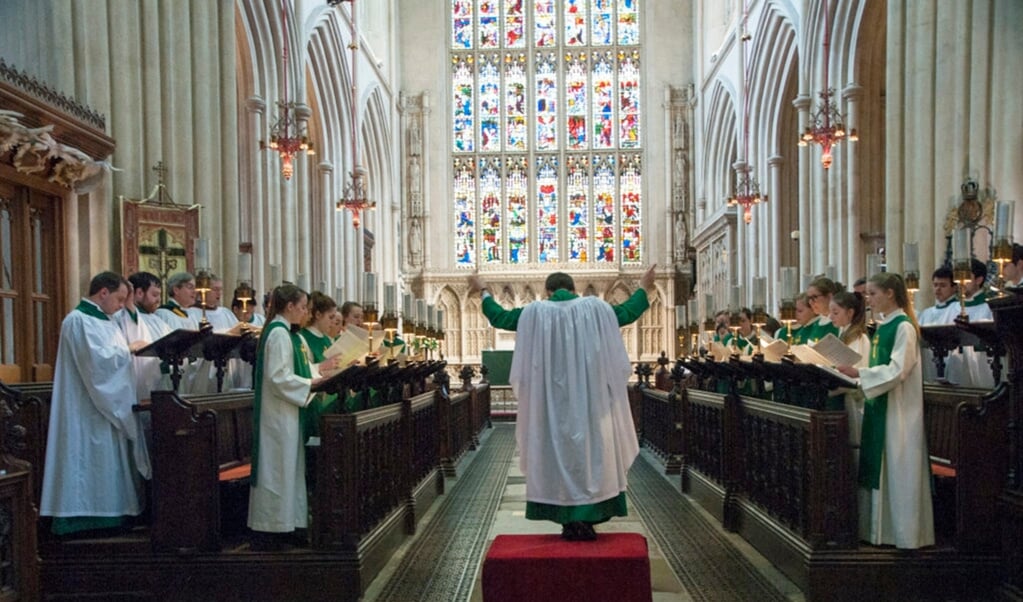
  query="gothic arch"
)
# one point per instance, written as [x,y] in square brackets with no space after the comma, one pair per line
[722,147]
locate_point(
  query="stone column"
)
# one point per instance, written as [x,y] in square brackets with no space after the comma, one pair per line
[775,238]
[255,106]
[802,104]
[301,239]
[326,255]
[852,206]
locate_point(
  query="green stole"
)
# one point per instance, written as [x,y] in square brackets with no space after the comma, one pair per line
[875,409]
[176,309]
[301,368]
[978,299]
[90,309]
[322,403]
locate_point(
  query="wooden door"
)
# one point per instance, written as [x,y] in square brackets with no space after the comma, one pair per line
[30,277]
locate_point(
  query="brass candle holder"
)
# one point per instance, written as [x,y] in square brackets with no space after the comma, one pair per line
[1001,254]
[733,325]
[203,285]
[369,320]
[787,316]
[963,275]
[389,322]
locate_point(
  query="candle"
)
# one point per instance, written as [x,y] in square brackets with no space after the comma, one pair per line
[760,292]
[369,289]
[440,320]
[302,282]
[708,306]
[406,306]
[322,287]
[390,297]
[873,265]
[961,245]
[339,295]
[910,258]
[788,283]
[807,279]
[693,310]
[680,316]
[431,316]
[421,312]
[245,267]
[275,275]
[735,298]
[1003,219]
[202,253]
[831,273]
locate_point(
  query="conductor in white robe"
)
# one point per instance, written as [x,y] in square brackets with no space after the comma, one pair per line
[95,462]
[574,428]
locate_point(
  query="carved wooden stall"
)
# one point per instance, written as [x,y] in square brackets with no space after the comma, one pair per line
[19,577]
[780,474]
[1008,313]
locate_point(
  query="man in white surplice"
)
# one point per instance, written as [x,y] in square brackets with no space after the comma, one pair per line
[574,427]
[95,459]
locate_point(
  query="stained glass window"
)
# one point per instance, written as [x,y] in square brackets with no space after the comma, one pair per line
[546,121]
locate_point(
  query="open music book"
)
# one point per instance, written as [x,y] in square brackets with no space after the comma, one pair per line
[829,351]
[353,345]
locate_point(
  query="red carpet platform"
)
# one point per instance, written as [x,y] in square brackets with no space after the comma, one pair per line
[546,567]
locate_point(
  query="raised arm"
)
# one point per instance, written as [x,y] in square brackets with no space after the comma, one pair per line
[639,302]
[499,317]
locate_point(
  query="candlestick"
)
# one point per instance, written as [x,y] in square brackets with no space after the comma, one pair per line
[369,289]
[407,305]
[245,267]
[421,312]
[961,245]
[788,283]
[390,297]
[202,253]
[1003,219]
[910,257]
[760,291]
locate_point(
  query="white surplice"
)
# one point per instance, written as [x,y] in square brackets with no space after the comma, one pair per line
[574,428]
[277,503]
[94,456]
[899,512]
[147,328]
[204,375]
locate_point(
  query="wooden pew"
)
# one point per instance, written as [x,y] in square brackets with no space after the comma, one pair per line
[200,444]
[967,438]
[662,426]
[29,404]
[21,570]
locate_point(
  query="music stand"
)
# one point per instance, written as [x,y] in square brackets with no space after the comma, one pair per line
[219,348]
[174,348]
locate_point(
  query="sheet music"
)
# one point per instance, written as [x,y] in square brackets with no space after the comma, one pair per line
[773,349]
[353,345]
[719,351]
[837,352]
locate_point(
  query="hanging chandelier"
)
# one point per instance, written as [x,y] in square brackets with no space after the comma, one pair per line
[826,126]
[354,197]
[747,192]
[287,136]
[747,189]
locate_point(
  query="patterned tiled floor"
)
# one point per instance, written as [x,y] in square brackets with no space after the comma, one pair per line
[443,562]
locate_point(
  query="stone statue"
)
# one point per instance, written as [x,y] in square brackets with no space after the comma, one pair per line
[415,242]
[415,186]
[415,138]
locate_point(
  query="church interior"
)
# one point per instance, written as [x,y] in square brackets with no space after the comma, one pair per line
[744,150]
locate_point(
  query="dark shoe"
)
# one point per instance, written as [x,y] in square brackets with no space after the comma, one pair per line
[578,531]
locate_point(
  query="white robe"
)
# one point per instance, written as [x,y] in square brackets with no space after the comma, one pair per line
[574,429]
[148,328]
[936,315]
[204,376]
[277,503]
[970,368]
[899,512]
[854,397]
[93,464]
